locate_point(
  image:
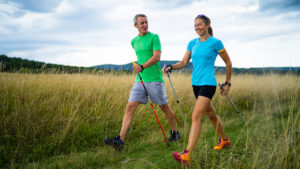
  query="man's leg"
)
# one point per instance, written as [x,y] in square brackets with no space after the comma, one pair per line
[175,135]
[128,117]
[170,115]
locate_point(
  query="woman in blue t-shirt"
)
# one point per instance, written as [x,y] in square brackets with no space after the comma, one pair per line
[203,52]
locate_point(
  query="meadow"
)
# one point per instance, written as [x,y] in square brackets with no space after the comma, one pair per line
[60,121]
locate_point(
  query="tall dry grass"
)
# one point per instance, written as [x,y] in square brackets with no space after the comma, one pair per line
[44,116]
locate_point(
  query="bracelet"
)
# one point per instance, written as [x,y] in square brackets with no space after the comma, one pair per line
[170,66]
[227,83]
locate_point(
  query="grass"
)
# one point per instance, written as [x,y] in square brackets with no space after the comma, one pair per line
[60,121]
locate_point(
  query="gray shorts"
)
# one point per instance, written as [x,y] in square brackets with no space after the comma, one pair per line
[156,90]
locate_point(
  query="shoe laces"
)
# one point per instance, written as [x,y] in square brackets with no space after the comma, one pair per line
[220,142]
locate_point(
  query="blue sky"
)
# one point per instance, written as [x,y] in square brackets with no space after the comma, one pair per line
[256,33]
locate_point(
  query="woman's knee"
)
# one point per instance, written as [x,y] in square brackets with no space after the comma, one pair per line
[164,107]
[212,116]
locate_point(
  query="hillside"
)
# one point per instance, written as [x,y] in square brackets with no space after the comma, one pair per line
[13,64]
[218,69]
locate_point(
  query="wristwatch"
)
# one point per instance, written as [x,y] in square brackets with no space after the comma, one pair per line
[227,83]
[142,67]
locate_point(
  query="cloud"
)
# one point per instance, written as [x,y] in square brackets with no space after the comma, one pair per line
[90,32]
[43,6]
[279,5]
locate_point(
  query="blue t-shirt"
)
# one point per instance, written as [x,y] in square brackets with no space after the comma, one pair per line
[204,55]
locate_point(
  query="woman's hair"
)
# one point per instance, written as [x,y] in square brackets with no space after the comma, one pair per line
[136,16]
[206,21]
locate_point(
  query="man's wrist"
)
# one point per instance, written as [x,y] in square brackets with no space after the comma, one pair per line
[142,67]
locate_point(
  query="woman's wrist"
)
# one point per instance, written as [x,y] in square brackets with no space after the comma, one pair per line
[227,83]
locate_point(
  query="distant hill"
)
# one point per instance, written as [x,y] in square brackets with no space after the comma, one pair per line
[12,64]
[129,66]
[218,69]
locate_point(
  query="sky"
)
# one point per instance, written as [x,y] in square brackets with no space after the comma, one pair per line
[255,33]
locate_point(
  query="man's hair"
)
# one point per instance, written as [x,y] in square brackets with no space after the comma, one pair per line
[136,16]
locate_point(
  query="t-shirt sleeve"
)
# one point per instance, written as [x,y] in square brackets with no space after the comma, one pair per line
[132,41]
[219,46]
[156,43]
[190,46]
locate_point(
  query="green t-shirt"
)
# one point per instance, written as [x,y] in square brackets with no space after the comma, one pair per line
[144,47]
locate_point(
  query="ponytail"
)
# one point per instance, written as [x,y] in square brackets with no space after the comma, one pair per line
[210,31]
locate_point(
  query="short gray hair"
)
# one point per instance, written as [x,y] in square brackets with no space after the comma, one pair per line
[136,16]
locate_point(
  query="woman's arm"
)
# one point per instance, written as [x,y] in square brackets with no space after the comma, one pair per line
[179,65]
[226,88]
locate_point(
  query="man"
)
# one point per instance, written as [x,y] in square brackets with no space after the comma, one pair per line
[148,50]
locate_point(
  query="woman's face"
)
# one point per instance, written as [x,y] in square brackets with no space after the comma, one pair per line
[201,27]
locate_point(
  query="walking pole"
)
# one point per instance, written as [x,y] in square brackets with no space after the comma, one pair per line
[152,105]
[221,87]
[176,100]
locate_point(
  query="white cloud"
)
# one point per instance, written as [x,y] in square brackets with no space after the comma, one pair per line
[94,32]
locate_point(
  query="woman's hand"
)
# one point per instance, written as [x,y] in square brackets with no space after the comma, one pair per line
[225,90]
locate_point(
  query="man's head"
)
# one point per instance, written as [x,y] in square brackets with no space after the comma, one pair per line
[141,23]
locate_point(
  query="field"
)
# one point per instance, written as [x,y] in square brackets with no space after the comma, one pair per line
[60,121]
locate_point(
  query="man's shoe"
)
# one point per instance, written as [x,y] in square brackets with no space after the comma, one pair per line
[175,135]
[222,144]
[183,158]
[116,142]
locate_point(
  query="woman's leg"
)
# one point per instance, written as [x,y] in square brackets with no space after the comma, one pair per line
[200,108]
[215,121]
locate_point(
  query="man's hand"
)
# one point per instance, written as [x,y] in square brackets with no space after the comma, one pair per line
[137,68]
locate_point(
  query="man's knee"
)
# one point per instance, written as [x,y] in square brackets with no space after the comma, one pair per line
[131,106]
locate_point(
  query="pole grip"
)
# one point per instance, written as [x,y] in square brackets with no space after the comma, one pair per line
[221,87]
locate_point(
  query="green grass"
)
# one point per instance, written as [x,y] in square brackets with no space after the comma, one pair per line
[60,121]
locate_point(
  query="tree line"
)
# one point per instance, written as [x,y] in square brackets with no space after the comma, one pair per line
[13,64]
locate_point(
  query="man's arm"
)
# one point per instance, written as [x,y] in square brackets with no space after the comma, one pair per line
[155,58]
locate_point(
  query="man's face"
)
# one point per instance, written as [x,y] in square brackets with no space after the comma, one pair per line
[142,25]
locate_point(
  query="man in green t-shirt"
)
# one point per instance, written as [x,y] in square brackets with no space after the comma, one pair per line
[148,50]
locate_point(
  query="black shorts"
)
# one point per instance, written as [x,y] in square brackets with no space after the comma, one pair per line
[206,91]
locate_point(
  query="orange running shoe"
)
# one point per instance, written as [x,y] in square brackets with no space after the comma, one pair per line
[183,158]
[222,144]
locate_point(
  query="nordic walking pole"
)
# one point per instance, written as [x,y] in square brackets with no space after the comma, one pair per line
[221,87]
[152,105]
[176,100]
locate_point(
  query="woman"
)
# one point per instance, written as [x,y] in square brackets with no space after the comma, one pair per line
[203,52]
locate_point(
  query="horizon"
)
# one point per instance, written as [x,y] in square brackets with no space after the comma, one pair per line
[160,61]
